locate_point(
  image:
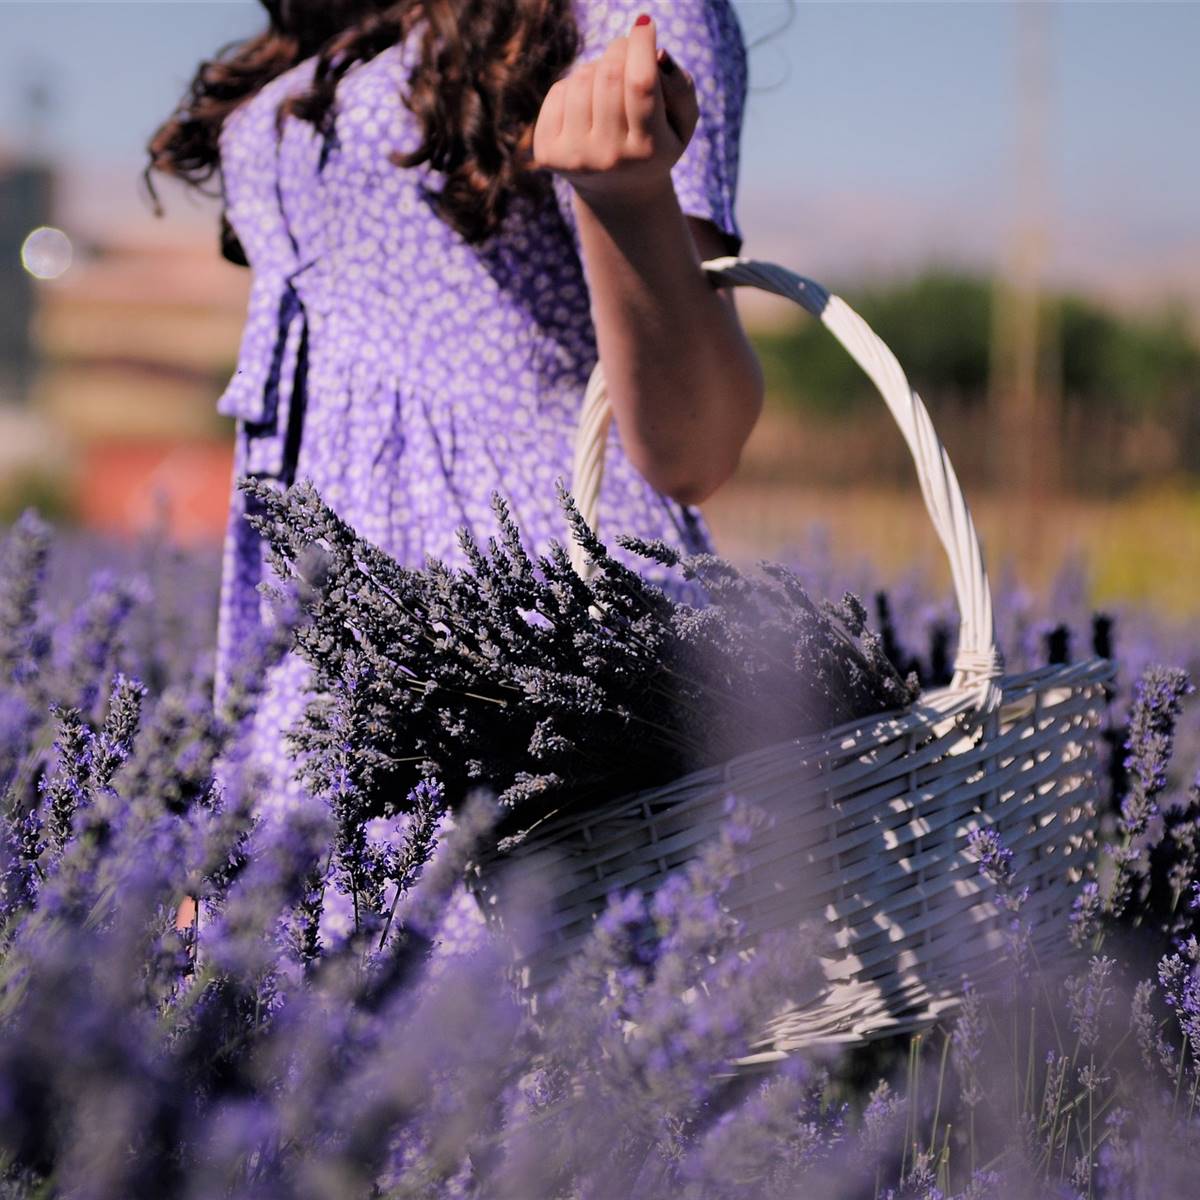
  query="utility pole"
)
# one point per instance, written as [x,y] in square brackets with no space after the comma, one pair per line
[1025,380]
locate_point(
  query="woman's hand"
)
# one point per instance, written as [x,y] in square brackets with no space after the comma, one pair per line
[616,126]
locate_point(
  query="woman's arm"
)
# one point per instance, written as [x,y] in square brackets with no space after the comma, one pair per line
[684,382]
[685,385]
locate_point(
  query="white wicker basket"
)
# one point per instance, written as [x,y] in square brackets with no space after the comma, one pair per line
[872,817]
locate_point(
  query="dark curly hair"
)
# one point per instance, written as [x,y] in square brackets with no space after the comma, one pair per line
[477,86]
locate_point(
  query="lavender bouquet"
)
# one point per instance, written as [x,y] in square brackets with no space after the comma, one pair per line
[502,673]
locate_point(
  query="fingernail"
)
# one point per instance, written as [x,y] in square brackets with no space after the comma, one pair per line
[665,62]
[643,19]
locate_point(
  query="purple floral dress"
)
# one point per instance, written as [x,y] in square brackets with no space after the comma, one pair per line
[406,373]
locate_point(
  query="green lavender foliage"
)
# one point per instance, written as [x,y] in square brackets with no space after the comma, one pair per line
[522,676]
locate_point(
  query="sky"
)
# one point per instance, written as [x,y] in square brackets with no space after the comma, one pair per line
[877,136]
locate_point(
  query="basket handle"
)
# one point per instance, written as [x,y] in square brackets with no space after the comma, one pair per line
[978,665]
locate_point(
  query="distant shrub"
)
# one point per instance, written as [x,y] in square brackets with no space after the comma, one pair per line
[940,326]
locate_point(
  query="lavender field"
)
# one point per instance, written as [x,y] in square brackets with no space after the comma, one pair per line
[260,1055]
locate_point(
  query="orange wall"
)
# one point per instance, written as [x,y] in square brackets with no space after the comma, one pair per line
[120,484]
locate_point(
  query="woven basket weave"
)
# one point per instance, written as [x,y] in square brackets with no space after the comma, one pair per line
[872,817]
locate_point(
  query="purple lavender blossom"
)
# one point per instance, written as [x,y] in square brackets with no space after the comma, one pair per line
[1086,908]
[995,859]
[1156,1052]
[1156,708]
[1088,995]
[1155,712]
[24,632]
[996,865]
[1179,978]
[89,642]
[251,1058]
[967,1041]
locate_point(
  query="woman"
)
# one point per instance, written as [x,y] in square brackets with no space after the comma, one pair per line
[451,208]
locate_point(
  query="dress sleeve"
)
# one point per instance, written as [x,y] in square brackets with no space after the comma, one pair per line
[705,37]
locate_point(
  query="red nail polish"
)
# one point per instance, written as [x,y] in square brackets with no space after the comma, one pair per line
[643,19]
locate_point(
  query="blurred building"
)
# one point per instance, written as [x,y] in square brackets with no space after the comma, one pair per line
[27,443]
[115,342]
[137,341]
[26,198]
